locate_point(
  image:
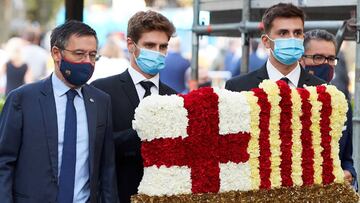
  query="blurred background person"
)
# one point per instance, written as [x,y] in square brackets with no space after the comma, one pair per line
[33,54]
[16,70]
[112,60]
[257,58]
[204,79]
[175,67]
[232,57]
[258,55]
[4,57]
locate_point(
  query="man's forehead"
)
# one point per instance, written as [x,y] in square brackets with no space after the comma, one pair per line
[321,47]
[77,36]
[154,37]
[289,24]
[86,42]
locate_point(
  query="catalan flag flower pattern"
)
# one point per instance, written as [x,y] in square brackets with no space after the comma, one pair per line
[214,140]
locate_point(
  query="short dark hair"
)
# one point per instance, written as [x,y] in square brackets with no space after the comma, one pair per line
[146,21]
[318,34]
[61,34]
[281,10]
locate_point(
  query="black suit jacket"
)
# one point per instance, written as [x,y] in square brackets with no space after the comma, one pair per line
[29,145]
[253,79]
[124,98]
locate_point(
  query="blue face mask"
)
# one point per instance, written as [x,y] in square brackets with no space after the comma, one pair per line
[288,50]
[150,62]
[76,74]
[323,71]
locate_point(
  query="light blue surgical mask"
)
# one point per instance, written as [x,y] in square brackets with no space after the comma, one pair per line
[150,62]
[287,50]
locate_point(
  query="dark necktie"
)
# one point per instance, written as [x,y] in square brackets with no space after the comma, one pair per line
[285,79]
[147,86]
[67,171]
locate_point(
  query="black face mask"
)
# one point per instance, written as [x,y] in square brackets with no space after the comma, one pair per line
[323,71]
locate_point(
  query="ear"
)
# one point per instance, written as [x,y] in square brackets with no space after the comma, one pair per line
[56,53]
[266,41]
[130,45]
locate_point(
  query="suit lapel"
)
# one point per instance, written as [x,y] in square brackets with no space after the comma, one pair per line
[48,110]
[304,78]
[162,90]
[129,88]
[262,74]
[91,114]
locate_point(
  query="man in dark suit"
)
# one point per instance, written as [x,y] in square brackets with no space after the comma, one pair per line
[147,41]
[56,134]
[284,34]
[320,60]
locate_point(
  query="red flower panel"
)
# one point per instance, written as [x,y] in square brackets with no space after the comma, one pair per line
[285,133]
[325,113]
[307,154]
[264,141]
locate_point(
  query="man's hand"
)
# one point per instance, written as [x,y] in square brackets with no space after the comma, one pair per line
[348,177]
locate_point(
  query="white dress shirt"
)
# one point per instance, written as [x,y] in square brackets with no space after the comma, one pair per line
[137,78]
[82,186]
[275,74]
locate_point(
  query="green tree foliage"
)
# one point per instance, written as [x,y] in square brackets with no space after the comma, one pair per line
[42,10]
[5,17]
[2,102]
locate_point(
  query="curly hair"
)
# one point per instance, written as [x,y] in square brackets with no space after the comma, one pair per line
[146,21]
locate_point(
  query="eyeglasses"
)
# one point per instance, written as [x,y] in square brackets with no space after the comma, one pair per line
[81,55]
[320,59]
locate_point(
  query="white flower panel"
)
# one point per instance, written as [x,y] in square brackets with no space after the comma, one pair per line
[235,177]
[161,117]
[234,112]
[165,181]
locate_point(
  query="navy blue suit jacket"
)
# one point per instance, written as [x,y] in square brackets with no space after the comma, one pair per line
[129,164]
[346,148]
[29,145]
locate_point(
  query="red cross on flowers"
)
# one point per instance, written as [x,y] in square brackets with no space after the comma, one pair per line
[204,148]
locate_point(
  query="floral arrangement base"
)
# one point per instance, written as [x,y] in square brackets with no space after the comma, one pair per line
[334,192]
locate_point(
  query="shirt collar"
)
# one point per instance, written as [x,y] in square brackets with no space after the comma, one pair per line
[60,88]
[275,74]
[138,77]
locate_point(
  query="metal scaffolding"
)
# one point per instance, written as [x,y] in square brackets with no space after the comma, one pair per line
[356,116]
[246,28]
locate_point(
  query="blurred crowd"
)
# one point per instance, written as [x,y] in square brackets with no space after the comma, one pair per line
[26,58]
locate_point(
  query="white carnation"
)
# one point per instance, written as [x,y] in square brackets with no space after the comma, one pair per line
[174,180]
[161,117]
[234,112]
